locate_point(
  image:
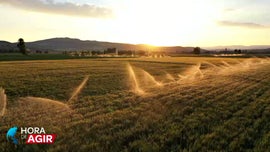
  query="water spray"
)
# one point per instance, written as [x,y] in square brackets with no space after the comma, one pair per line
[211,64]
[149,77]
[3,101]
[79,88]
[170,77]
[192,73]
[45,100]
[226,64]
[133,78]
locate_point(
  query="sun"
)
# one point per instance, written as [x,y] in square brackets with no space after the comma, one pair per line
[164,22]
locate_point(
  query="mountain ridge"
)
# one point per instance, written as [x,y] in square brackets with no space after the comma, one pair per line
[72,44]
[243,47]
[75,44]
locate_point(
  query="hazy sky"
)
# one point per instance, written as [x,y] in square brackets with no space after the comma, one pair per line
[157,22]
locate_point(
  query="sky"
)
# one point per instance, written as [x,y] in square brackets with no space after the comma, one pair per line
[156,22]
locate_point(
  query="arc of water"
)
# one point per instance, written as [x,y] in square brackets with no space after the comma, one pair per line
[133,77]
[79,88]
[152,79]
[3,101]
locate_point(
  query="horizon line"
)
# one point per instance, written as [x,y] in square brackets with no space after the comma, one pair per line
[151,45]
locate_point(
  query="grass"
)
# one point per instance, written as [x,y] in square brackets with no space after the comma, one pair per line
[20,57]
[226,109]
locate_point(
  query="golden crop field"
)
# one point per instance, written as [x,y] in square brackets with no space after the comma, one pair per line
[139,104]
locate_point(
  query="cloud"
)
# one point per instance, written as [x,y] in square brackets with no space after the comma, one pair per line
[67,8]
[241,24]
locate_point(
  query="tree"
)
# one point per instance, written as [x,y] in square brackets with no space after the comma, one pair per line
[197,50]
[21,46]
[237,51]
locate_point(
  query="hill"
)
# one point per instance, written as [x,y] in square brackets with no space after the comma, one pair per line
[242,47]
[7,46]
[69,44]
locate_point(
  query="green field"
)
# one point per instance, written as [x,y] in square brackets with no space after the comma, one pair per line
[140,104]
